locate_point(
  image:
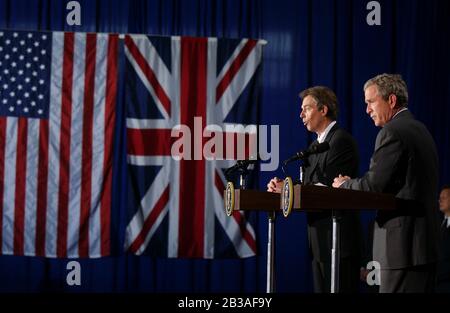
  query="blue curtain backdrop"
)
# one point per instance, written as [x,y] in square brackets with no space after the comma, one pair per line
[310,42]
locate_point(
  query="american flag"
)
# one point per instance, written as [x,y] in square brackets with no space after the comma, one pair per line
[176,206]
[57,116]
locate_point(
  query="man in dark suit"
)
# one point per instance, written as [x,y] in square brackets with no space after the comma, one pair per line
[405,164]
[443,269]
[319,113]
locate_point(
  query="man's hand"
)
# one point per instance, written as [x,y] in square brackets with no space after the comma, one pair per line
[363,272]
[275,185]
[338,181]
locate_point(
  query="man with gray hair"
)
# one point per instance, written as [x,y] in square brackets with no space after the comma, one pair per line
[405,164]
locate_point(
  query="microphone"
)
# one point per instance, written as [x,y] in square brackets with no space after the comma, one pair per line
[314,149]
[240,164]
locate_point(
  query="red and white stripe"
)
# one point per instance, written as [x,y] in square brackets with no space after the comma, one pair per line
[201,93]
[56,174]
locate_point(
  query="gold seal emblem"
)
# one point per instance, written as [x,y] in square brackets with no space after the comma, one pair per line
[287,196]
[229,199]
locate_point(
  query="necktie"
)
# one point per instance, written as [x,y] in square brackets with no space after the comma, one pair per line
[444,223]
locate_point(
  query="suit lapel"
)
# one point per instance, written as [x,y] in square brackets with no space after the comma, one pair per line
[317,158]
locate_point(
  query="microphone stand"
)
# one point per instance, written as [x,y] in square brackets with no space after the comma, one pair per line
[270,253]
[270,241]
[335,251]
[270,272]
[243,172]
[336,240]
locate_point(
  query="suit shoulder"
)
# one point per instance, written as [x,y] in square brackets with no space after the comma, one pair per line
[341,135]
[343,132]
[407,129]
[400,126]
[405,120]
[388,133]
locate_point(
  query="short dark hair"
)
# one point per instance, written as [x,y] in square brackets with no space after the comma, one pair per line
[390,84]
[446,186]
[323,96]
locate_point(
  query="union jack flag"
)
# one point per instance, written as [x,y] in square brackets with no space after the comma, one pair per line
[176,206]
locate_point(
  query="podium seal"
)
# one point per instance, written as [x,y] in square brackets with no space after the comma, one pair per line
[287,194]
[229,199]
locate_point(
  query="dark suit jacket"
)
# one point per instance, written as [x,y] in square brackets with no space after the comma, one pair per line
[443,268]
[341,158]
[404,163]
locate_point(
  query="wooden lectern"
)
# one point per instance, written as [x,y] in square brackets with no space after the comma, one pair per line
[308,198]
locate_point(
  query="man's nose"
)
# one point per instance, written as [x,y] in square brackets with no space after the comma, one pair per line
[368,109]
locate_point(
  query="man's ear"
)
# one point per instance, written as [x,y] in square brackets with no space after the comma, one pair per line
[325,110]
[392,101]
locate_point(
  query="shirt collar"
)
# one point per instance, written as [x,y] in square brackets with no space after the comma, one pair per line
[321,137]
[404,109]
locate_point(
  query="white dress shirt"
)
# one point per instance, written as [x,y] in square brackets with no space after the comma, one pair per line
[321,137]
